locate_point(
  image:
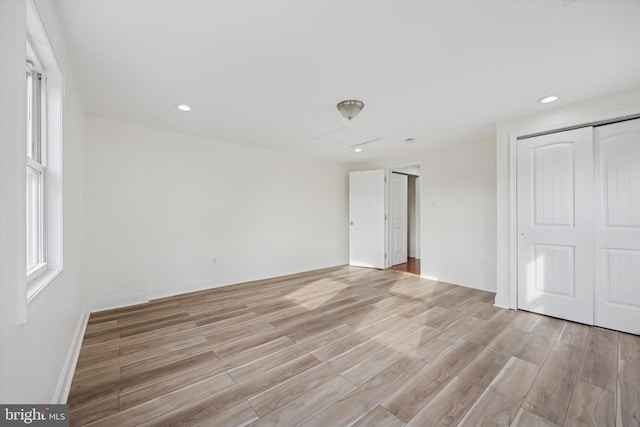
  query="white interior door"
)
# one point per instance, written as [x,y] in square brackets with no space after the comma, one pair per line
[555,224]
[366,219]
[399,220]
[617,234]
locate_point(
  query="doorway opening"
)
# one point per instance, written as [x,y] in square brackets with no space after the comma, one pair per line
[404,219]
[384,218]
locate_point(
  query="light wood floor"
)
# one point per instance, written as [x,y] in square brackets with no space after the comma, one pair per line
[411,266]
[350,346]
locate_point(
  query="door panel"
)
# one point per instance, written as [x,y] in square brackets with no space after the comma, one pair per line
[555,225]
[399,219]
[366,219]
[617,234]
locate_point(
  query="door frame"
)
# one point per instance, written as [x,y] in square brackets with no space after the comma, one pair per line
[387,172]
[510,300]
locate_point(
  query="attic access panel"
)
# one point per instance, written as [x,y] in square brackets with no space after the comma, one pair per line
[347,137]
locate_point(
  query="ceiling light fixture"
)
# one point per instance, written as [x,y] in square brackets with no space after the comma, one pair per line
[183,107]
[358,150]
[350,108]
[547,99]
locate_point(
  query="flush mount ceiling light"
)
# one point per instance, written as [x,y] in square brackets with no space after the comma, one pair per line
[350,108]
[547,99]
[358,150]
[183,107]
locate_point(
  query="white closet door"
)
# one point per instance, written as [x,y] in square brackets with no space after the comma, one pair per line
[555,225]
[617,235]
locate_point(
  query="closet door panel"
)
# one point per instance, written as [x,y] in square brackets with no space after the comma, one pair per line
[555,225]
[617,233]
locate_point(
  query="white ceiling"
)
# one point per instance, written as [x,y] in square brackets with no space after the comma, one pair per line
[270,73]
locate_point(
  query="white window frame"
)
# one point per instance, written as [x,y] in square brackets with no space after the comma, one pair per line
[40,57]
[36,163]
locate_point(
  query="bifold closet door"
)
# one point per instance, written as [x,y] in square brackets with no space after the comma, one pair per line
[617,231]
[555,224]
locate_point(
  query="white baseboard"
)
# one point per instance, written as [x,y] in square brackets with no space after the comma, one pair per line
[61,392]
[118,301]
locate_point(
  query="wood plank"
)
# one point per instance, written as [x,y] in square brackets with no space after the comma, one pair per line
[628,398]
[280,394]
[153,324]
[238,415]
[419,390]
[449,406]
[629,348]
[367,396]
[152,363]
[205,407]
[134,395]
[249,370]
[379,417]
[96,411]
[526,321]
[166,403]
[368,368]
[301,408]
[575,334]
[537,345]
[247,342]
[487,332]
[461,328]
[525,418]
[591,405]
[600,365]
[410,345]
[88,358]
[499,403]
[507,341]
[550,393]
[484,368]
[357,337]
[98,328]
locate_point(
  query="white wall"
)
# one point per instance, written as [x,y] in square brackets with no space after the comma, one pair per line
[458,219]
[162,206]
[36,359]
[602,108]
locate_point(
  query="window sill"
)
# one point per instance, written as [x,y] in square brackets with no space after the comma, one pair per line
[38,284]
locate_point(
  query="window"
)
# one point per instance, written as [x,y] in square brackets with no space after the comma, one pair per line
[43,161]
[36,173]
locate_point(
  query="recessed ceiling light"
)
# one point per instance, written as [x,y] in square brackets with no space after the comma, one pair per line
[358,150]
[547,99]
[183,107]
